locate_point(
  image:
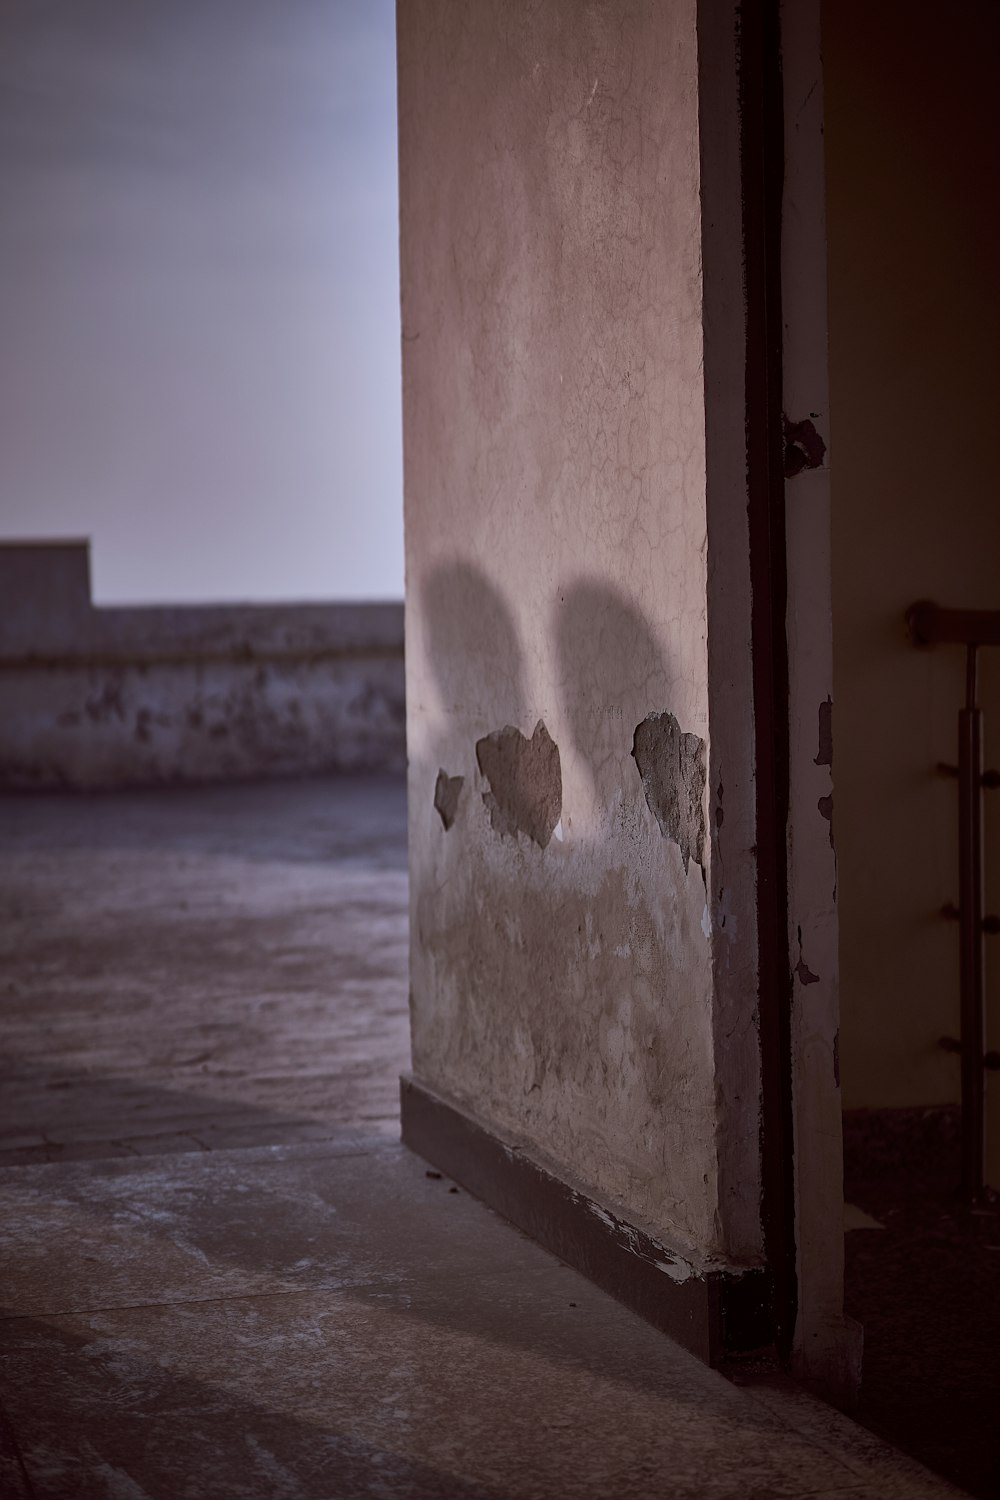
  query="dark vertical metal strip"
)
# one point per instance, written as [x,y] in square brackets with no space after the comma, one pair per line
[971,914]
[762,147]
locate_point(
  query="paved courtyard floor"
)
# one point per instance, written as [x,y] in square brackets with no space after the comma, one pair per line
[222,1275]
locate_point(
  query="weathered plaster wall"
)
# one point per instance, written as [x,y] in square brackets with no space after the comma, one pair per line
[108,697]
[912,147]
[563,907]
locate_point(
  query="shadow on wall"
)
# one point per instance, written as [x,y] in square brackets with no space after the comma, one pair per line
[587,962]
[473,644]
[476,658]
[606,650]
[604,642]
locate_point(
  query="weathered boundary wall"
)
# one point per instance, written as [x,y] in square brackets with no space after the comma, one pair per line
[93,697]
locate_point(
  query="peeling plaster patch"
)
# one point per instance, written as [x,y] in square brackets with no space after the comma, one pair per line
[607,1219]
[525,780]
[672,767]
[804,448]
[805,974]
[447,790]
[824,754]
[706,922]
[629,1239]
[825,805]
[675,1269]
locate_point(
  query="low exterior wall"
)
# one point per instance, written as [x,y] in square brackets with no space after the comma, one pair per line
[93,697]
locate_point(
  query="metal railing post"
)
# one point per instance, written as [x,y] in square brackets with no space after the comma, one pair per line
[972,972]
[930,625]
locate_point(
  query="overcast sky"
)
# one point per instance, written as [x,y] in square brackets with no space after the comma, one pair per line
[199,322]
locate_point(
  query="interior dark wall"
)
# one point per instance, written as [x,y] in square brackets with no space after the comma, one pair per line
[913,141]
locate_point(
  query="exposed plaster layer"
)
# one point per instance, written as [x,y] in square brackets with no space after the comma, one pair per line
[672,767]
[556,536]
[525,782]
[447,790]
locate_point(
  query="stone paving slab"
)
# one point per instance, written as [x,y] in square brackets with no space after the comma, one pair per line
[221,1274]
[200,968]
[301,1322]
[177,1228]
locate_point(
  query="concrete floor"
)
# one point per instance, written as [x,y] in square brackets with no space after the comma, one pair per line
[926,1288]
[222,1274]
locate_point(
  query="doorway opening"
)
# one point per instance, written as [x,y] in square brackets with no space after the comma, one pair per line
[912,145]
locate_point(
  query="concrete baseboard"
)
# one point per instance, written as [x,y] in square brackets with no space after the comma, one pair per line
[719,1314]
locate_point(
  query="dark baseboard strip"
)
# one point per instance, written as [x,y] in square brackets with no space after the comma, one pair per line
[718,1315]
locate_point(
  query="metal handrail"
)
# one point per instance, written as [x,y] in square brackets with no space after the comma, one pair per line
[930,625]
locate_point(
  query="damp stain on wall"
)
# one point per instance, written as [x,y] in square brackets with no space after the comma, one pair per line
[672,765]
[525,782]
